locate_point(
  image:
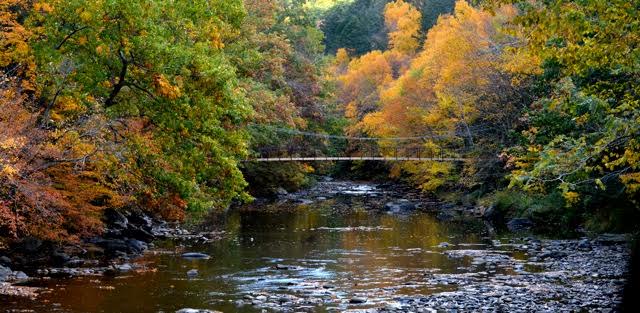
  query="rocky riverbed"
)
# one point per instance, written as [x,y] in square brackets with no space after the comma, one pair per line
[547,276]
[340,246]
[347,196]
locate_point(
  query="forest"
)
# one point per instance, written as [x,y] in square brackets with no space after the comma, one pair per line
[157,104]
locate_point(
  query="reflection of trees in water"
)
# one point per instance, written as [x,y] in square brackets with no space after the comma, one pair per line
[405,246]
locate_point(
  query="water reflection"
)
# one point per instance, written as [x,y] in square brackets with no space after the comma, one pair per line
[304,250]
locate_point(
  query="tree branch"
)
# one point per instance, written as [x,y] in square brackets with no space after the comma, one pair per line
[67,37]
[121,81]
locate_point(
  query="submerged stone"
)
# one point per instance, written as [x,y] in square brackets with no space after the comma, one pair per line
[358,300]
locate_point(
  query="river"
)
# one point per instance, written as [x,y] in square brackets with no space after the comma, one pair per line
[313,255]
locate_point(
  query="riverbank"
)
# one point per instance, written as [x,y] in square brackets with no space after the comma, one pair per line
[128,235]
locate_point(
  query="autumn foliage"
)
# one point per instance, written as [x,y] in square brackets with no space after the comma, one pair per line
[536,96]
[154,104]
[94,113]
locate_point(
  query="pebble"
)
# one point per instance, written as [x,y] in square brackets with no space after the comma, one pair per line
[192,273]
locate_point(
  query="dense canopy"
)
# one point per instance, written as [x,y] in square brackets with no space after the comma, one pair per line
[153,104]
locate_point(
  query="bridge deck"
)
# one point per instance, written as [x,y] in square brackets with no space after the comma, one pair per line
[354,158]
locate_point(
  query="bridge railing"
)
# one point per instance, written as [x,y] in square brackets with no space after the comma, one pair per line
[387,153]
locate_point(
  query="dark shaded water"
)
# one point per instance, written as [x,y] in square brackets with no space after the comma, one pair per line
[331,257]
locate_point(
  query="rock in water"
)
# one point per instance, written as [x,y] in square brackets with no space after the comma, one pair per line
[303,201]
[20,275]
[125,267]
[358,300]
[192,273]
[282,267]
[196,255]
[187,310]
[283,299]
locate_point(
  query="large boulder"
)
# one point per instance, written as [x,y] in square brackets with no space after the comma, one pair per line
[141,220]
[129,224]
[115,219]
[138,233]
[114,247]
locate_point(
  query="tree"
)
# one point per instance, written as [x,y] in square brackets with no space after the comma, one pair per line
[159,61]
[361,81]
[279,54]
[455,88]
[403,24]
[582,136]
[359,26]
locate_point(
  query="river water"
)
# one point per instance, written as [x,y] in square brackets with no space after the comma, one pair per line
[310,257]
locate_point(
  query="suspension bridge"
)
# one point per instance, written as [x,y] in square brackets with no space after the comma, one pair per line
[307,147]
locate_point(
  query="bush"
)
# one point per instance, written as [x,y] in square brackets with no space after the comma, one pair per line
[265,178]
